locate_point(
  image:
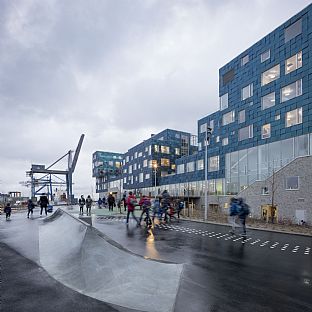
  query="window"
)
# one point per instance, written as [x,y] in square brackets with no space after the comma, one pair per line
[177,151]
[130,169]
[147,176]
[190,166]
[291,91]
[173,167]
[228,76]
[293,30]
[247,91]
[245,133]
[165,162]
[180,169]
[266,131]
[127,159]
[203,128]
[141,177]
[213,164]
[135,155]
[134,166]
[225,141]
[156,148]
[124,180]
[294,117]
[165,149]
[140,154]
[217,139]
[228,118]
[244,60]
[145,163]
[241,116]
[224,101]
[211,125]
[292,183]
[200,164]
[268,101]
[270,75]
[277,117]
[265,56]
[265,190]
[153,163]
[293,63]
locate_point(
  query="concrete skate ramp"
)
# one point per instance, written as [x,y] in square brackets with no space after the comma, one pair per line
[83,259]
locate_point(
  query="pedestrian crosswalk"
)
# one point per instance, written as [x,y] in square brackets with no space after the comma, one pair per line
[284,247]
[237,238]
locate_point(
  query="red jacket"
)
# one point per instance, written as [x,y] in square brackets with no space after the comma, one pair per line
[130,202]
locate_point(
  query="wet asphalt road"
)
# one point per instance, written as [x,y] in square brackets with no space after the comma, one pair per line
[265,272]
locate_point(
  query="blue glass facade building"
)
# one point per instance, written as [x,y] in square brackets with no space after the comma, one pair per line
[264,121]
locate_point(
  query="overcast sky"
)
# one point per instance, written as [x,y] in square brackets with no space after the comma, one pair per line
[115,70]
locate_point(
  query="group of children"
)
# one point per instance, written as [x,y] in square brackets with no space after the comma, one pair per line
[162,208]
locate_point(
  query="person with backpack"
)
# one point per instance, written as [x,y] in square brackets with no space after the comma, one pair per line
[111,202]
[131,203]
[242,214]
[88,205]
[234,209]
[165,203]
[82,202]
[30,206]
[145,203]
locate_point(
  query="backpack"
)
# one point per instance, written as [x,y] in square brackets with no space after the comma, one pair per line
[244,210]
[234,208]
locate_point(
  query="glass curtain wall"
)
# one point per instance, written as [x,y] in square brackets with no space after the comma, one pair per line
[244,167]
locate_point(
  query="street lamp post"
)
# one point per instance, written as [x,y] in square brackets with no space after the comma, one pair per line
[155,168]
[207,138]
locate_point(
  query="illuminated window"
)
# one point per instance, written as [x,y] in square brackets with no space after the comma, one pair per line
[270,75]
[291,91]
[266,131]
[165,162]
[177,151]
[294,117]
[268,100]
[293,63]
[165,149]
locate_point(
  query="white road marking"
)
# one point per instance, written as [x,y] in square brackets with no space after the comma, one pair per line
[284,247]
[307,250]
[265,243]
[274,245]
[296,248]
[255,242]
